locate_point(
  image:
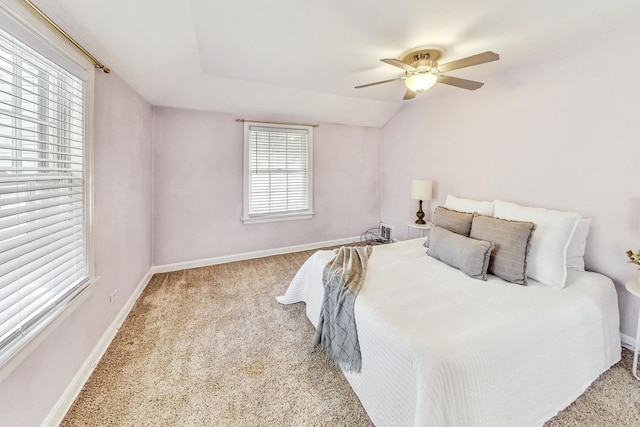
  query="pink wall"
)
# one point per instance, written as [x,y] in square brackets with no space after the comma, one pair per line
[122,232]
[197,158]
[561,133]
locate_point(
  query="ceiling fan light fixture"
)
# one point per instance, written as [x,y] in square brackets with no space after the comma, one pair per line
[419,82]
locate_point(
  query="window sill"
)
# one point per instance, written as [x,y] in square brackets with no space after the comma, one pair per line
[40,334]
[276,218]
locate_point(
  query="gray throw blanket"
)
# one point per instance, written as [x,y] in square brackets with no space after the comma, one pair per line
[336,333]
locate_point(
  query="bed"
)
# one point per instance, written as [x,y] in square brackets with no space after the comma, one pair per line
[442,349]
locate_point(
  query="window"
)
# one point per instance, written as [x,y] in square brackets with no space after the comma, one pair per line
[278,172]
[43,192]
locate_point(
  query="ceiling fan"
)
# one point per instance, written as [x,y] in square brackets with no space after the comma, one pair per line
[421,69]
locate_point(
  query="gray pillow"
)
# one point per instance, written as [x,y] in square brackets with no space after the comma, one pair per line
[468,255]
[458,222]
[512,241]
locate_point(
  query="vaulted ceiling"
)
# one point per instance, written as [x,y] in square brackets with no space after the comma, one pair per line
[300,59]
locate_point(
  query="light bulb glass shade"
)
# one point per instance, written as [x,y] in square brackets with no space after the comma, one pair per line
[421,190]
[421,81]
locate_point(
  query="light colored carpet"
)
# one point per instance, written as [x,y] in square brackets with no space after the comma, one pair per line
[212,347]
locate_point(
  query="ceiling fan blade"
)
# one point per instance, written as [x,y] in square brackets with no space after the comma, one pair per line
[398,63]
[480,58]
[379,83]
[409,94]
[458,82]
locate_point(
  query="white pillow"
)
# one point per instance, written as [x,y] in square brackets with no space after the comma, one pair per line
[547,261]
[466,205]
[577,246]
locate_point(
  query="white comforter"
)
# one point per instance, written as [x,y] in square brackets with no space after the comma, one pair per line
[442,349]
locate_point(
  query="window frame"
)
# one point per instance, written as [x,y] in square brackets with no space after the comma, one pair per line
[21,23]
[247,217]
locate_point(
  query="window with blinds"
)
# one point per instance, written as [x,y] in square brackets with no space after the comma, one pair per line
[278,172]
[43,235]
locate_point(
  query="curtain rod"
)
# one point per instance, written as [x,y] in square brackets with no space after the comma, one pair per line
[276,123]
[97,63]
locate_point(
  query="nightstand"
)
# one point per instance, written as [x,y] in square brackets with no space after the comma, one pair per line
[421,227]
[634,288]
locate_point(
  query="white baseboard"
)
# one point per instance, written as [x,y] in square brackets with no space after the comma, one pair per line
[75,387]
[166,268]
[627,341]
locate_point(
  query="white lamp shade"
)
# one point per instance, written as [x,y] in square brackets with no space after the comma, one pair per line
[421,190]
[421,81]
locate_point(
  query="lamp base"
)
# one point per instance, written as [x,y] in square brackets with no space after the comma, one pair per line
[420,214]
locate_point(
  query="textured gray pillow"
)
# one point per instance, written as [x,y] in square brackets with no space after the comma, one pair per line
[468,255]
[512,241]
[458,222]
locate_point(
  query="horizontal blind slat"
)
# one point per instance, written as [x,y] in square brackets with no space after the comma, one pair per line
[10,223]
[74,176]
[24,187]
[34,207]
[41,123]
[9,143]
[35,235]
[39,272]
[19,198]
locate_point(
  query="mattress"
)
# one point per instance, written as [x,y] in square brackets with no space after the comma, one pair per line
[442,349]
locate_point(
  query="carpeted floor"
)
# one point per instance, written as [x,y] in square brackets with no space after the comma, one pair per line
[212,347]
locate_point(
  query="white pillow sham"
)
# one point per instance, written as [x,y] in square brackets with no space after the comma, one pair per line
[467,205]
[547,261]
[578,245]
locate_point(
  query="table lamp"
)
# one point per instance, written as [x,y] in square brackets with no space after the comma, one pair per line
[421,190]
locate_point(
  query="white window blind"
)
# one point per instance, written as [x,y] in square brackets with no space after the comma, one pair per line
[278,179]
[43,236]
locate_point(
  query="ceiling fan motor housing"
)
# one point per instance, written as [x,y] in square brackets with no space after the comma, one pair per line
[422,61]
[422,57]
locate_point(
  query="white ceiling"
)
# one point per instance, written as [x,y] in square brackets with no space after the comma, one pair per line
[300,59]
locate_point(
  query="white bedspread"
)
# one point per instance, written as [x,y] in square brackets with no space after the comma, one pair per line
[442,349]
